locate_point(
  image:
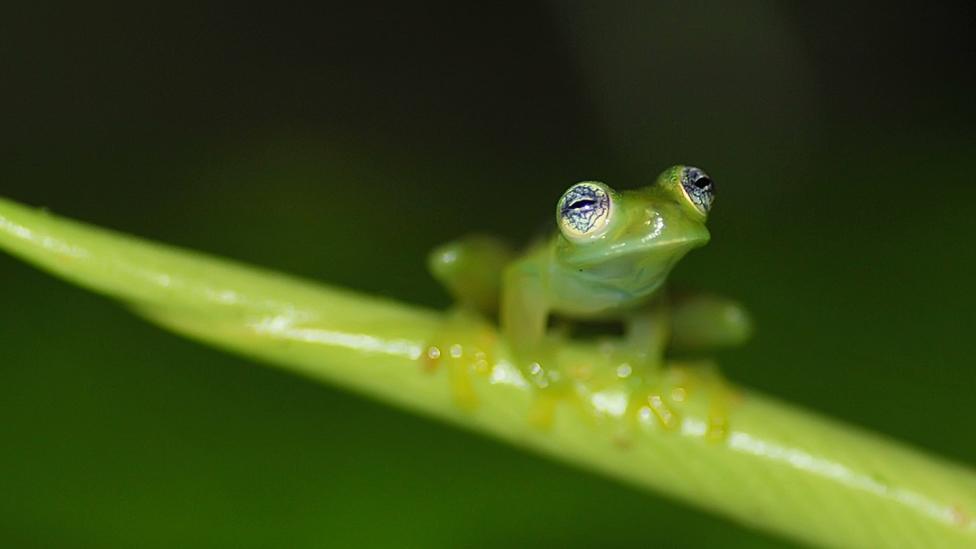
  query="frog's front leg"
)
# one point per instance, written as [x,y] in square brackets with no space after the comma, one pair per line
[688,322]
[640,361]
[646,334]
[524,314]
[525,311]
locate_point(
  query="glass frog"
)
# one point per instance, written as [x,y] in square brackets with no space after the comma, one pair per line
[608,260]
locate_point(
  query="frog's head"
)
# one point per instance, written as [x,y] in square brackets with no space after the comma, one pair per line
[630,240]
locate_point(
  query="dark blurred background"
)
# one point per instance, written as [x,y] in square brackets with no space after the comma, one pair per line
[342,142]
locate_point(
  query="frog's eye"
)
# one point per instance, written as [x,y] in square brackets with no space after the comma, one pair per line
[698,188]
[584,211]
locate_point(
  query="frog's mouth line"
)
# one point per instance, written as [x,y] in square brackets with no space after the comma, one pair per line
[605,258]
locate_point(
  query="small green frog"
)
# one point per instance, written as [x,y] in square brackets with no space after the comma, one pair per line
[608,261]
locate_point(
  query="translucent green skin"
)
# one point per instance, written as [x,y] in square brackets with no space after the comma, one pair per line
[615,273]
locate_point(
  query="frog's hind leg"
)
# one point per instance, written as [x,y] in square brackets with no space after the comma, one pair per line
[471,269]
[700,321]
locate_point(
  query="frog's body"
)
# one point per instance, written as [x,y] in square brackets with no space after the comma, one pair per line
[609,260]
[620,267]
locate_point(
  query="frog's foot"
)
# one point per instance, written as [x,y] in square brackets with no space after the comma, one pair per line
[653,404]
[722,397]
[641,374]
[462,347]
[551,383]
[545,379]
[702,380]
[542,411]
[633,365]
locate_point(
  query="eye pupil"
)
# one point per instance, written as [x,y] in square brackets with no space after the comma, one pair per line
[703,182]
[579,204]
[699,188]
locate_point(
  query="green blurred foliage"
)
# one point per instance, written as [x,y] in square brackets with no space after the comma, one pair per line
[842,144]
